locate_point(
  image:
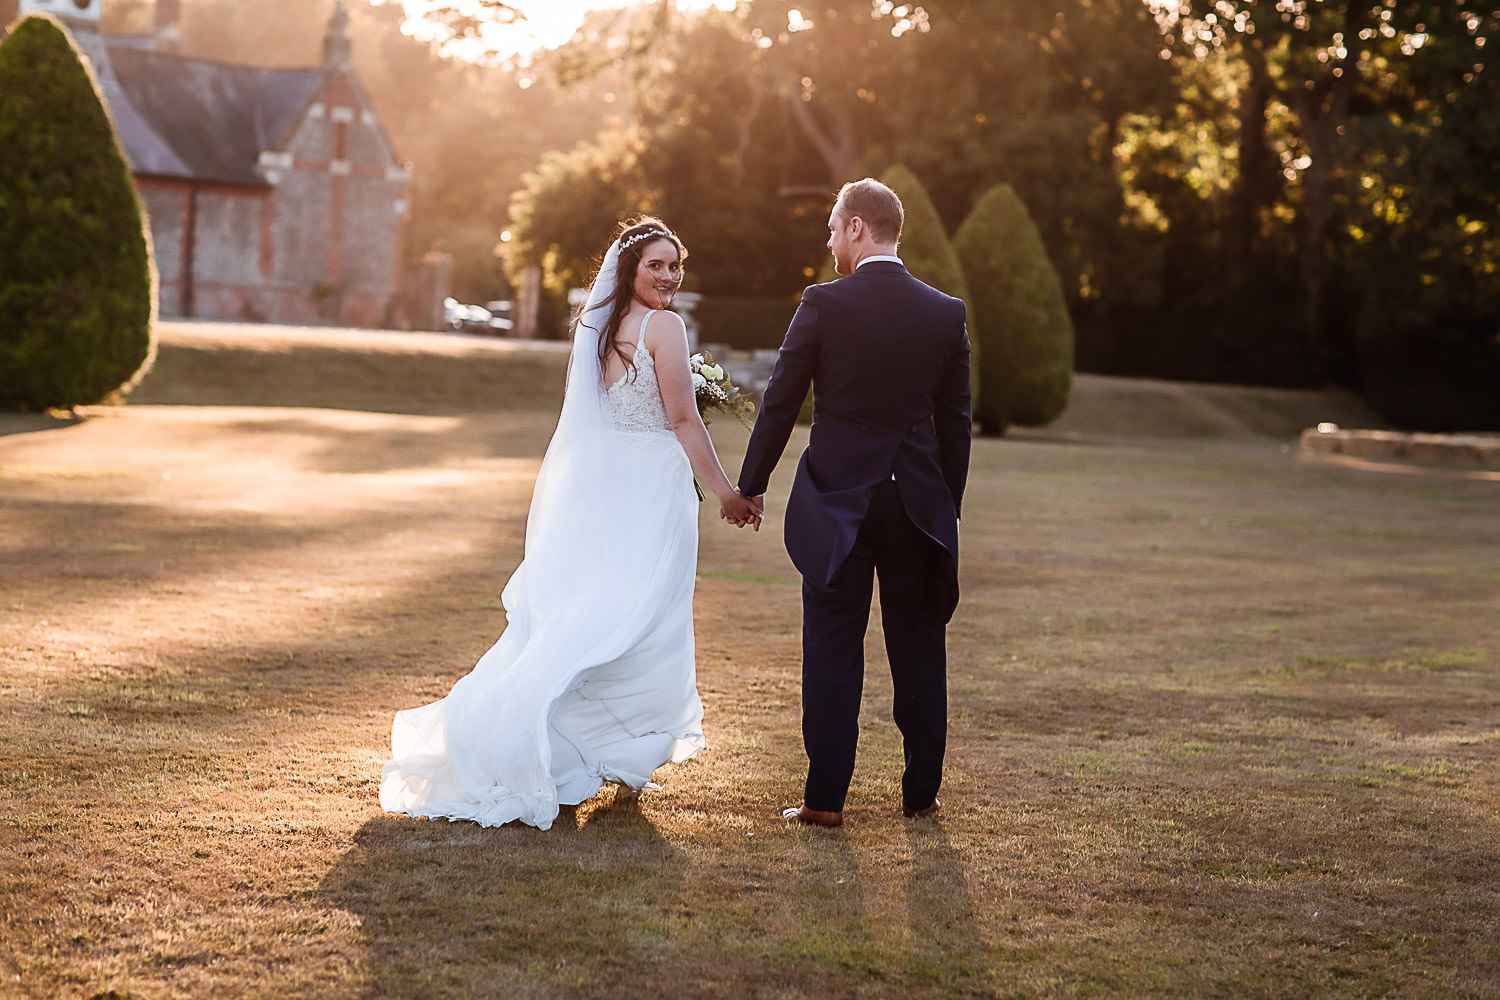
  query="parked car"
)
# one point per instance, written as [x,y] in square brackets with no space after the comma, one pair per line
[459,316]
[502,317]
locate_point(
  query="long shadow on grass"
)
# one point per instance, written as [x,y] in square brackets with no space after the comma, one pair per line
[822,928]
[457,909]
[853,916]
[31,423]
[946,948]
[96,541]
[387,449]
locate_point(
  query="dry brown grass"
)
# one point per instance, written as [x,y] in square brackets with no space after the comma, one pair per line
[1223,724]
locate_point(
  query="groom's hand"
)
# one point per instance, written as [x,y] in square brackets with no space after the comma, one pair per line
[754,507]
[738,510]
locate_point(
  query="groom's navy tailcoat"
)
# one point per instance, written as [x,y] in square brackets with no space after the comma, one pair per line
[887,358]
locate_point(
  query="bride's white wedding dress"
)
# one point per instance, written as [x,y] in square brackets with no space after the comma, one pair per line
[594,678]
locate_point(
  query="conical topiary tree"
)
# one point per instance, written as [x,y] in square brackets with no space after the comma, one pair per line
[1023,331]
[77,290]
[925,249]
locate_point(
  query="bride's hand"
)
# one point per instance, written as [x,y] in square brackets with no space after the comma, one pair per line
[739,510]
[757,507]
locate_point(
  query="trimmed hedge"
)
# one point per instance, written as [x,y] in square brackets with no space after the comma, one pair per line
[925,248]
[77,289]
[744,322]
[1022,328]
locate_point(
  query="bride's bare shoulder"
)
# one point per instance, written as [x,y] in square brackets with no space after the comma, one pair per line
[665,330]
[666,320]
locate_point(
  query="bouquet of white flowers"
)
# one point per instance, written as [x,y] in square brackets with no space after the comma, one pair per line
[715,393]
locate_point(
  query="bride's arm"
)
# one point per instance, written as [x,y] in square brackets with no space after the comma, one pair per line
[666,339]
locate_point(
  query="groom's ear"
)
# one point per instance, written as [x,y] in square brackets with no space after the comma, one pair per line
[856,226]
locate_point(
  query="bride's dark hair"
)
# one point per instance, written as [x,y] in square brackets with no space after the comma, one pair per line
[634,237]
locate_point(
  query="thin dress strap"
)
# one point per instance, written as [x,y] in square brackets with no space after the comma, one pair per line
[640,340]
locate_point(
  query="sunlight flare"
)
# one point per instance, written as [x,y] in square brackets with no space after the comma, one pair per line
[543,24]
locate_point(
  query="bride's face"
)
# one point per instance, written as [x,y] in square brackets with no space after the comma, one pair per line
[659,274]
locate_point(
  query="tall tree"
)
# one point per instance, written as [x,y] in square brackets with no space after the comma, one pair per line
[1035,95]
[1320,52]
[701,151]
[1346,112]
[829,65]
[1424,235]
[927,252]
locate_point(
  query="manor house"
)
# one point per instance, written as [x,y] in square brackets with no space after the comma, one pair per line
[273,194]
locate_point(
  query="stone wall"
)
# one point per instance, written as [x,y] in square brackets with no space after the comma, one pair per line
[1393,446]
[322,244]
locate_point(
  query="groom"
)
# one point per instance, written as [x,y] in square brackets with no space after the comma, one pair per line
[877,493]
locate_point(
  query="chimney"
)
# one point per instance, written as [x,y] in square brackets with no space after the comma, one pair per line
[166,33]
[336,41]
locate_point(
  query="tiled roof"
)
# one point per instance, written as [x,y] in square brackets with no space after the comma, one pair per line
[192,118]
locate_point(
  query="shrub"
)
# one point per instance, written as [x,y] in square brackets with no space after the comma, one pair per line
[77,291]
[744,322]
[1022,329]
[925,248]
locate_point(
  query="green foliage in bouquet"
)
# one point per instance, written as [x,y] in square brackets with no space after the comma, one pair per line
[715,392]
[77,291]
[1019,319]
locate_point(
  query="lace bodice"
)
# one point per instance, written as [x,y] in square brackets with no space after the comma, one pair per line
[634,401]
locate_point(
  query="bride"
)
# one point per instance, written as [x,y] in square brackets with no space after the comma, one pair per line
[593,679]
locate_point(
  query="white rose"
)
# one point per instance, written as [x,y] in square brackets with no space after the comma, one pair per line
[699,381]
[696,360]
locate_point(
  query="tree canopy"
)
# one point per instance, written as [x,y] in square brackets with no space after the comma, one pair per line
[1287,193]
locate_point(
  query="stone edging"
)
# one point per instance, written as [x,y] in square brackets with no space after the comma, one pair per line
[1481,450]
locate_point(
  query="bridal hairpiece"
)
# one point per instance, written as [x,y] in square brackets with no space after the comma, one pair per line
[645,234]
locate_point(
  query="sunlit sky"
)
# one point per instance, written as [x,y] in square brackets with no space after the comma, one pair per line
[548,23]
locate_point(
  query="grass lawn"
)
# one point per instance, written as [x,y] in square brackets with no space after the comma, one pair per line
[1223,723]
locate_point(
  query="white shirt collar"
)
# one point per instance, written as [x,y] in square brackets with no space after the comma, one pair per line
[871,260]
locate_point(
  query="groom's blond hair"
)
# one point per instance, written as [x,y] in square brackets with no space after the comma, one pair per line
[877,205]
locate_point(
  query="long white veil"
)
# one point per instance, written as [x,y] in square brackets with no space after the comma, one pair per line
[568,496]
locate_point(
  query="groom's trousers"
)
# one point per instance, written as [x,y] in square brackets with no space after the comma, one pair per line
[834,620]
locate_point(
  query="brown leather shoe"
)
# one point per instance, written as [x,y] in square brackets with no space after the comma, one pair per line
[813,817]
[922,813]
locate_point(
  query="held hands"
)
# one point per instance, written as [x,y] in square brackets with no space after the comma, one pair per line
[740,510]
